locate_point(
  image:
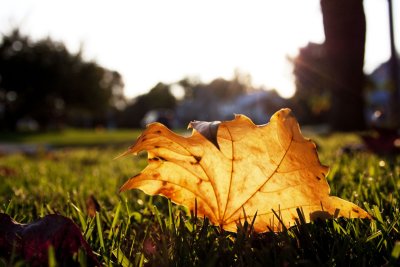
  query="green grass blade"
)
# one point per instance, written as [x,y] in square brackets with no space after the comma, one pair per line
[115,220]
[51,254]
[100,231]
[121,258]
[80,215]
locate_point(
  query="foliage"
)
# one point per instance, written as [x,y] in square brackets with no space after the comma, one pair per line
[311,99]
[219,88]
[42,80]
[329,76]
[159,97]
[212,95]
[136,230]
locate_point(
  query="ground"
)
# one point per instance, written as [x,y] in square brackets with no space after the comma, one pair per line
[131,228]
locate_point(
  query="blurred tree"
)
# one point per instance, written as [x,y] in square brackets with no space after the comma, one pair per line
[345,27]
[159,97]
[219,88]
[189,85]
[224,90]
[43,81]
[212,95]
[311,101]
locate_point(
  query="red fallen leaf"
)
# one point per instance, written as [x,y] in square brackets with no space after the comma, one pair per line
[31,241]
[7,171]
[383,141]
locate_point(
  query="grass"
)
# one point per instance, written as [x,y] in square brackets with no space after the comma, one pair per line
[133,229]
[72,137]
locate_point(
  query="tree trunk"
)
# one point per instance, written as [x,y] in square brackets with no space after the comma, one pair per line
[345,26]
[394,74]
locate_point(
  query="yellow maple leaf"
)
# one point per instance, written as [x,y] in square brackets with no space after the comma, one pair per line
[236,170]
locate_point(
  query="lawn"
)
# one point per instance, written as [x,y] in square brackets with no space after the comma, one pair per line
[71,137]
[132,229]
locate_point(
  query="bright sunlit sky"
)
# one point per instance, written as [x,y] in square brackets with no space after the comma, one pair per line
[158,40]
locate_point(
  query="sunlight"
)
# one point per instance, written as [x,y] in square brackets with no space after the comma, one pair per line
[158,41]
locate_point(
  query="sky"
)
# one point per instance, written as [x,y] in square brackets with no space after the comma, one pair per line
[164,41]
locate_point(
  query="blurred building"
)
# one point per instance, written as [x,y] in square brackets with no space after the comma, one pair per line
[379,95]
[258,105]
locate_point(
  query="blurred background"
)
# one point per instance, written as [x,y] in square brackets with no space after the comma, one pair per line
[124,64]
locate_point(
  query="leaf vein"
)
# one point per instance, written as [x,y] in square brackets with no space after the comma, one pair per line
[266,181]
[193,192]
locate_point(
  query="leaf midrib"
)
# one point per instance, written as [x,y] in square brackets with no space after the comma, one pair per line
[255,192]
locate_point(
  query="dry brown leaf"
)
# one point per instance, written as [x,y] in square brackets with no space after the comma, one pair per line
[250,168]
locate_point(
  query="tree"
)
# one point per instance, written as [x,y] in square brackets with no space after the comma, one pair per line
[159,97]
[212,95]
[345,27]
[311,101]
[43,81]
